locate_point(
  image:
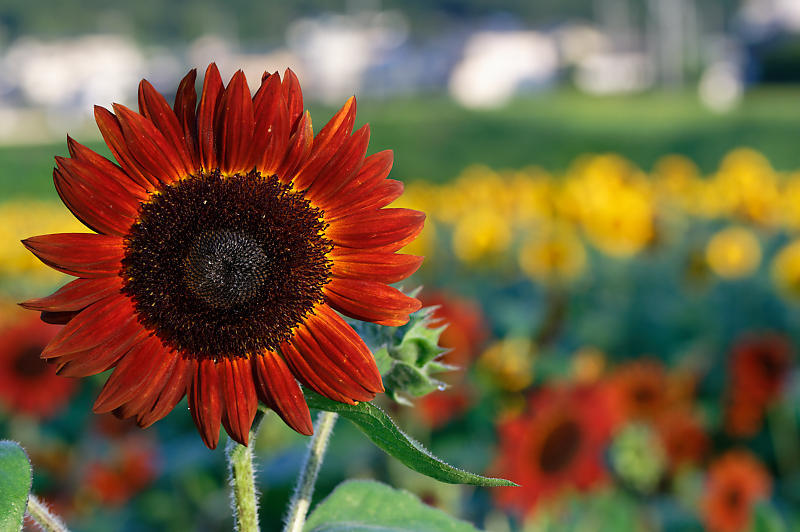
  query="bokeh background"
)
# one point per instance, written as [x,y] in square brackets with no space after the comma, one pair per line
[613,193]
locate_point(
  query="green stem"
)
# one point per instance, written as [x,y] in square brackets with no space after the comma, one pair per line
[303,491]
[240,467]
[42,516]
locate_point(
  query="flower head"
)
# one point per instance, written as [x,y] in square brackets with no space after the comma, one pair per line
[28,385]
[736,481]
[226,237]
[557,445]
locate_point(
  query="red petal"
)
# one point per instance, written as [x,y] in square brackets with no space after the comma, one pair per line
[151,149]
[104,356]
[374,229]
[186,110]
[381,267]
[277,388]
[235,119]
[205,401]
[76,295]
[327,143]
[105,167]
[100,203]
[370,301]
[298,149]
[172,393]
[58,318]
[375,169]
[143,402]
[271,135]
[378,197]
[78,254]
[340,169]
[241,402]
[344,348]
[209,100]
[293,97]
[96,324]
[324,365]
[111,130]
[156,109]
[308,376]
[132,375]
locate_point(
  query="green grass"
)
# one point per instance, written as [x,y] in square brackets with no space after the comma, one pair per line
[435,139]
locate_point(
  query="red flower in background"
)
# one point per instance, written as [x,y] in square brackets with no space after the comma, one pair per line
[28,385]
[639,389]
[684,437]
[464,336]
[466,330]
[557,445]
[227,235]
[130,469]
[736,481]
[759,366]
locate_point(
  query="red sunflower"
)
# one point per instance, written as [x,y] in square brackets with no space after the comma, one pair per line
[226,237]
[736,482]
[22,371]
[556,446]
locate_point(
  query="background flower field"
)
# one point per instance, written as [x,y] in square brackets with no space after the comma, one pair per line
[621,278]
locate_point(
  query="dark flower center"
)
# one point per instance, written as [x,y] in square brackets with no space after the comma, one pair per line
[226,265]
[560,446]
[225,268]
[28,363]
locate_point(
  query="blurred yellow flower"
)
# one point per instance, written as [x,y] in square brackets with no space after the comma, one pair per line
[749,186]
[786,270]
[481,234]
[509,363]
[553,255]
[588,364]
[733,253]
[21,219]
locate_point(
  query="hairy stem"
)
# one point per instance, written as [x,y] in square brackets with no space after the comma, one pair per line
[41,515]
[304,490]
[240,467]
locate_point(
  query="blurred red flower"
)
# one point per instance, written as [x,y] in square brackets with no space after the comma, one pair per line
[466,329]
[557,445]
[130,469]
[639,389]
[683,436]
[736,481]
[28,384]
[759,366]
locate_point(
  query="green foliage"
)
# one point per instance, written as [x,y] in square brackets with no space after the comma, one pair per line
[15,484]
[385,434]
[362,505]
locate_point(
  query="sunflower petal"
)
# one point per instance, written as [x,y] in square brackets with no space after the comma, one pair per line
[241,402]
[373,199]
[342,168]
[111,130]
[375,229]
[380,267]
[308,376]
[277,388]
[293,96]
[93,326]
[186,110]
[209,101]
[370,301]
[76,295]
[235,126]
[143,401]
[205,401]
[104,356]
[79,254]
[171,394]
[298,149]
[156,109]
[271,136]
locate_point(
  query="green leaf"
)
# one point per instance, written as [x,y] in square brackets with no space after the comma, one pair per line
[368,506]
[385,434]
[15,485]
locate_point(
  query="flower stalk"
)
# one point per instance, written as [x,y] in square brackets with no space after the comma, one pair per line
[41,515]
[243,490]
[304,490]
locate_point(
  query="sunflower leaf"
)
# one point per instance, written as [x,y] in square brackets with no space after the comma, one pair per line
[365,505]
[380,428]
[15,485]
